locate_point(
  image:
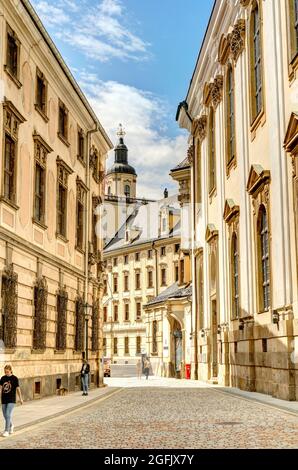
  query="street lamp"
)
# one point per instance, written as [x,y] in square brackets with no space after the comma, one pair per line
[88,315]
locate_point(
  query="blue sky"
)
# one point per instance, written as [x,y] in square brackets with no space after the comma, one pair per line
[134,60]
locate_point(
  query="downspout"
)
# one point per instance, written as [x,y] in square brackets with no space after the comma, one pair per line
[87,237]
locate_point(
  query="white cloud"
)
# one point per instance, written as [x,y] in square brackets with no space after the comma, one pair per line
[142,114]
[102,32]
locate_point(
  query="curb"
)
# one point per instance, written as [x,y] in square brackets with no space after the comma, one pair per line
[67,411]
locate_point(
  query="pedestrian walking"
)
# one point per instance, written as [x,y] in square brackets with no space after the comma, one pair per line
[9,388]
[139,369]
[85,377]
[147,367]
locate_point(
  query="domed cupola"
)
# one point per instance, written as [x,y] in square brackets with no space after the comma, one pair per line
[121,157]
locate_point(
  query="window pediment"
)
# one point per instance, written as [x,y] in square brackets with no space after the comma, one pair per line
[211,232]
[231,210]
[257,178]
[291,139]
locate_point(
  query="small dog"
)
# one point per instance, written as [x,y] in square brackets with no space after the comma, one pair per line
[62,391]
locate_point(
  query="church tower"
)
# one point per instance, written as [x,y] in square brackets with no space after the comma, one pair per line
[121,178]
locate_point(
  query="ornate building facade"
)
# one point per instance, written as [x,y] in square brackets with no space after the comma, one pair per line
[240,113]
[52,166]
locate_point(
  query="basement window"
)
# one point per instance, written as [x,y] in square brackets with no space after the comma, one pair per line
[264,345]
[37,388]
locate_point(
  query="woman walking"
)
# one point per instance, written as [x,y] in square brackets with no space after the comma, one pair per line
[147,368]
[9,388]
[85,370]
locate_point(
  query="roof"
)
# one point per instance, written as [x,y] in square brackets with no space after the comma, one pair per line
[39,25]
[145,217]
[173,292]
[122,168]
[184,164]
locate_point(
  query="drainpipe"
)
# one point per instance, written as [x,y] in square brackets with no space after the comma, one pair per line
[87,236]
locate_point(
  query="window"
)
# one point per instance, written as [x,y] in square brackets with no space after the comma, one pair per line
[115,279]
[126,282]
[126,345]
[177,248]
[8,328]
[150,254]
[264,345]
[163,277]
[13,54]
[139,311]
[115,262]
[109,191]
[104,346]
[230,92]
[95,326]
[40,314]
[164,224]
[105,314]
[211,150]
[150,279]
[264,260]
[235,276]
[138,345]
[154,337]
[81,145]
[41,93]
[293,13]
[63,122]
[137,256]
[62,300]
[115,313]
[256,62]
[81,198]
[105,286]
[79,325]
[138,281]
[39,193]
[127,190]
[199,174]
[115,348]
[163,251]
[126,259]
[126,314]
[94,234]
[181,271]
[176,273]
[201,293]
[63,172]
[9,169]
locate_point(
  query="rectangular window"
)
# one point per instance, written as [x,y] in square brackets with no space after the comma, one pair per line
[61,210]
[126,316]
[176,273]
[104,346]
[137,256]
[115,283]
[211,150]
[163,251]
[94,234]
[177,248]
[39,194]
[150,254]
[13,51]
[9,169]
[115,348]
[181,271]
[63,121]
[126,282]
[126,259]
[115,313]
[138,345]
[163,277]
[105,314]
[139,311]
[41,92]
[80,225]
[154,337]
[81,145]
[150,279]
[138,281]
[115,262]
[105,286]
[126,345]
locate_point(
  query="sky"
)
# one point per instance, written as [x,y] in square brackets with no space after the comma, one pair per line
[134,60]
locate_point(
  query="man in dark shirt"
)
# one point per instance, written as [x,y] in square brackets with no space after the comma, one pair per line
[9,388]
[85,376]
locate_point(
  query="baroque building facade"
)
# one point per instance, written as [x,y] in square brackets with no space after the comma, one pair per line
[141,260]
[240,114]
[52,166]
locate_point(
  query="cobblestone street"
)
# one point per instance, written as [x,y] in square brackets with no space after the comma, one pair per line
[173,417]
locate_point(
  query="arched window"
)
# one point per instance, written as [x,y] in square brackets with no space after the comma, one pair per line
[256,62]
[127,190]
[264,260]
[293,14]
[235,276]
[211,150]
[230,94]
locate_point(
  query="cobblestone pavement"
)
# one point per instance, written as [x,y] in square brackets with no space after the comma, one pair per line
[161,417]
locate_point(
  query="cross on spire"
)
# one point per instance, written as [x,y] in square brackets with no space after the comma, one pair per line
[121,132]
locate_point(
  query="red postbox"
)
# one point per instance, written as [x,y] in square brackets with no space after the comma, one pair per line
[187,371]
